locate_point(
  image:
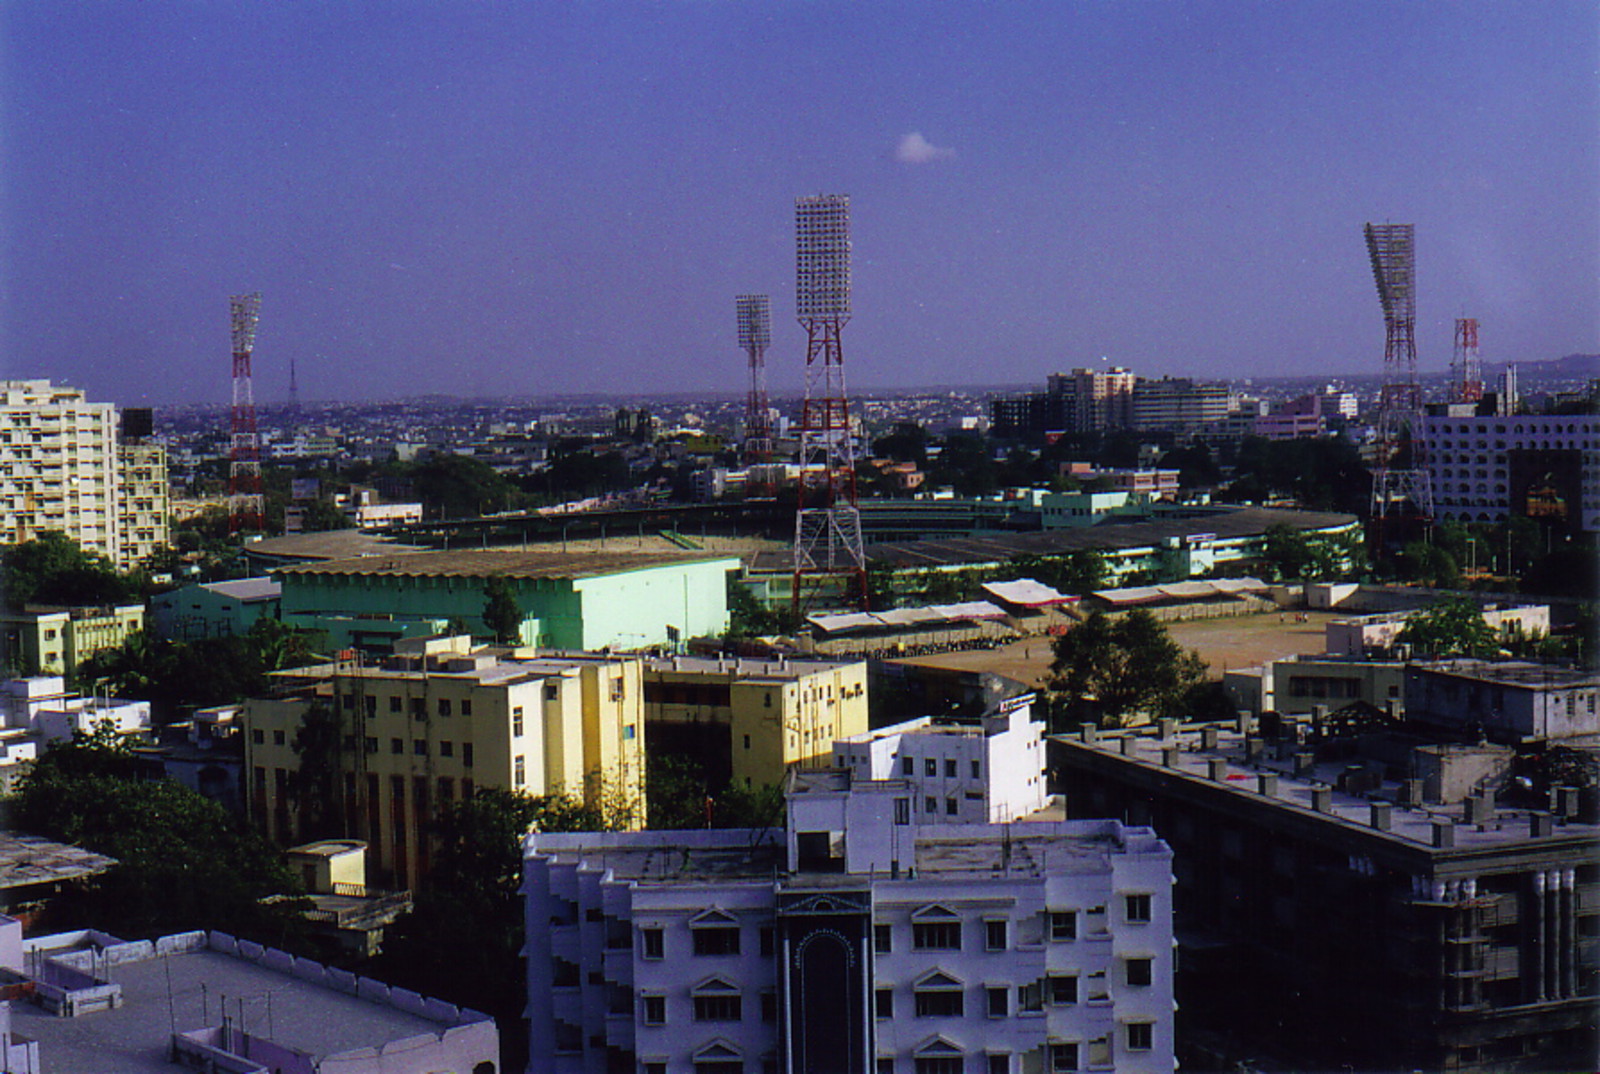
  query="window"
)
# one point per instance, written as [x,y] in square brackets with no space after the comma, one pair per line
[883,1003]
[994,935]
[466,754]
[397,745]
[419,707]
[930,767]
[1137,971]
[767,941]
[1062,989]
[950,768]
[769,1006]
[550,691]
[977,773]
[627,732]
[930,804]
[654,1010]
[394,703]
[939,1064]
[998,1001]
[466,707]
[419,747]
[1136,907]
[1030,997]
[650,943]
[939,1003]
[563,974]
[516,722]
[372,745]
[908,766]
[1063,924]
[447,749]
[882,939]
[258,737]
[519,770]
[884,1066]
[999,1064]
[444,706]
[951,807]
[1140,1036]
[716,940]
[718,1007]
[936,935]
[902,811]
[1063,1058]
[369,705]
[279,738]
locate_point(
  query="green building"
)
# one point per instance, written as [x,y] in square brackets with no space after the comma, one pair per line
[585,600]
[214,609]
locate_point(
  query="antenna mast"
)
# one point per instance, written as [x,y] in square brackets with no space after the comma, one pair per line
[245,502]
[754,318]
[1466,369]
[1400,487]
[827,530]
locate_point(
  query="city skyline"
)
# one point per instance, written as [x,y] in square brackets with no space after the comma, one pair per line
[559,200]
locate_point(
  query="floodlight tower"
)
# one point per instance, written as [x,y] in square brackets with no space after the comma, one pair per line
[1400,487]
[827,531]
[245,502]
[1466,368]
[754,317]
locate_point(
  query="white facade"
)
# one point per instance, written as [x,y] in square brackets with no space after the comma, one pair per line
[44,707]
[62,468]
[1468,461]
[864,943]
[972,772]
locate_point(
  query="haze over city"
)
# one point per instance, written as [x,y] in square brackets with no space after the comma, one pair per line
[538,199]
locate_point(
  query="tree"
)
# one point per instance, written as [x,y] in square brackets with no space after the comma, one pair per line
[53,569]
[1430,565]
[183,862]
[1451,626]
[501,612]
[1111,669]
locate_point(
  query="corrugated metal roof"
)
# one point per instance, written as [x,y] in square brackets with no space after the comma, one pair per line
[1025,592]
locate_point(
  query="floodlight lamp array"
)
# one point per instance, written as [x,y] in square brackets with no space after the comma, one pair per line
[754,320]
[244,311]
[822,262]
[1393,253]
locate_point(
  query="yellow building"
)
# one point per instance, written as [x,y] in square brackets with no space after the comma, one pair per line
[750,721]
[43,640]
[144,508]
[432,725]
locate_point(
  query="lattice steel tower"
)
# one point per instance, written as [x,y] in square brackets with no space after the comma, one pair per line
[1400,487]
[245,503]
[754,316]
[1466,368]
[827,531]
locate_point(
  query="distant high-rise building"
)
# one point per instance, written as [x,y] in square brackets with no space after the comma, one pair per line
[63,468]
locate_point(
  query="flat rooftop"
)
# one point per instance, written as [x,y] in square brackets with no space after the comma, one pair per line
[714,855]
[489,563]
[1512,673]
[280,1007]
[1414,825]
[30,859]
[743,668]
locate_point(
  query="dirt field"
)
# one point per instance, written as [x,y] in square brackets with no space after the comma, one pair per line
[1244,641]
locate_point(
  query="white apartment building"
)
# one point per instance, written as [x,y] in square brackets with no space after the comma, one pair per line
[61,468]
[985,771]
[1485,468]
[862,942]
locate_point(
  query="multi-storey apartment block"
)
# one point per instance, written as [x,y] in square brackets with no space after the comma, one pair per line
[750,721]
[432,725]
[1486,468]
[63,468]
[984,771]
[858,942]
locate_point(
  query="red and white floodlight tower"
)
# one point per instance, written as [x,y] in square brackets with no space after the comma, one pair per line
[754,316]
[1403,490]
[1466,368]
[245,503]
[827,531]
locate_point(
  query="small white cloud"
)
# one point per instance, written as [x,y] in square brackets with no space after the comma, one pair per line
[915,149]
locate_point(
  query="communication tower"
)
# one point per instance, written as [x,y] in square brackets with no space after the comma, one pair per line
[245,503]
[1400,487]
[827,531]
[294,389]
[754,318]
[1466,368]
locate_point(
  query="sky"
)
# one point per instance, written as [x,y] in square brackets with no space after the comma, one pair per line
[529,199]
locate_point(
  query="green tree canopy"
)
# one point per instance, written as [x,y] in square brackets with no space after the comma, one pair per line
[1110,669]
[183,861]
[501,612]
[53,569]
[1451,626]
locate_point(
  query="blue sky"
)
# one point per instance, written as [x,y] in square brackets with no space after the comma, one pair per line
[536,198]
